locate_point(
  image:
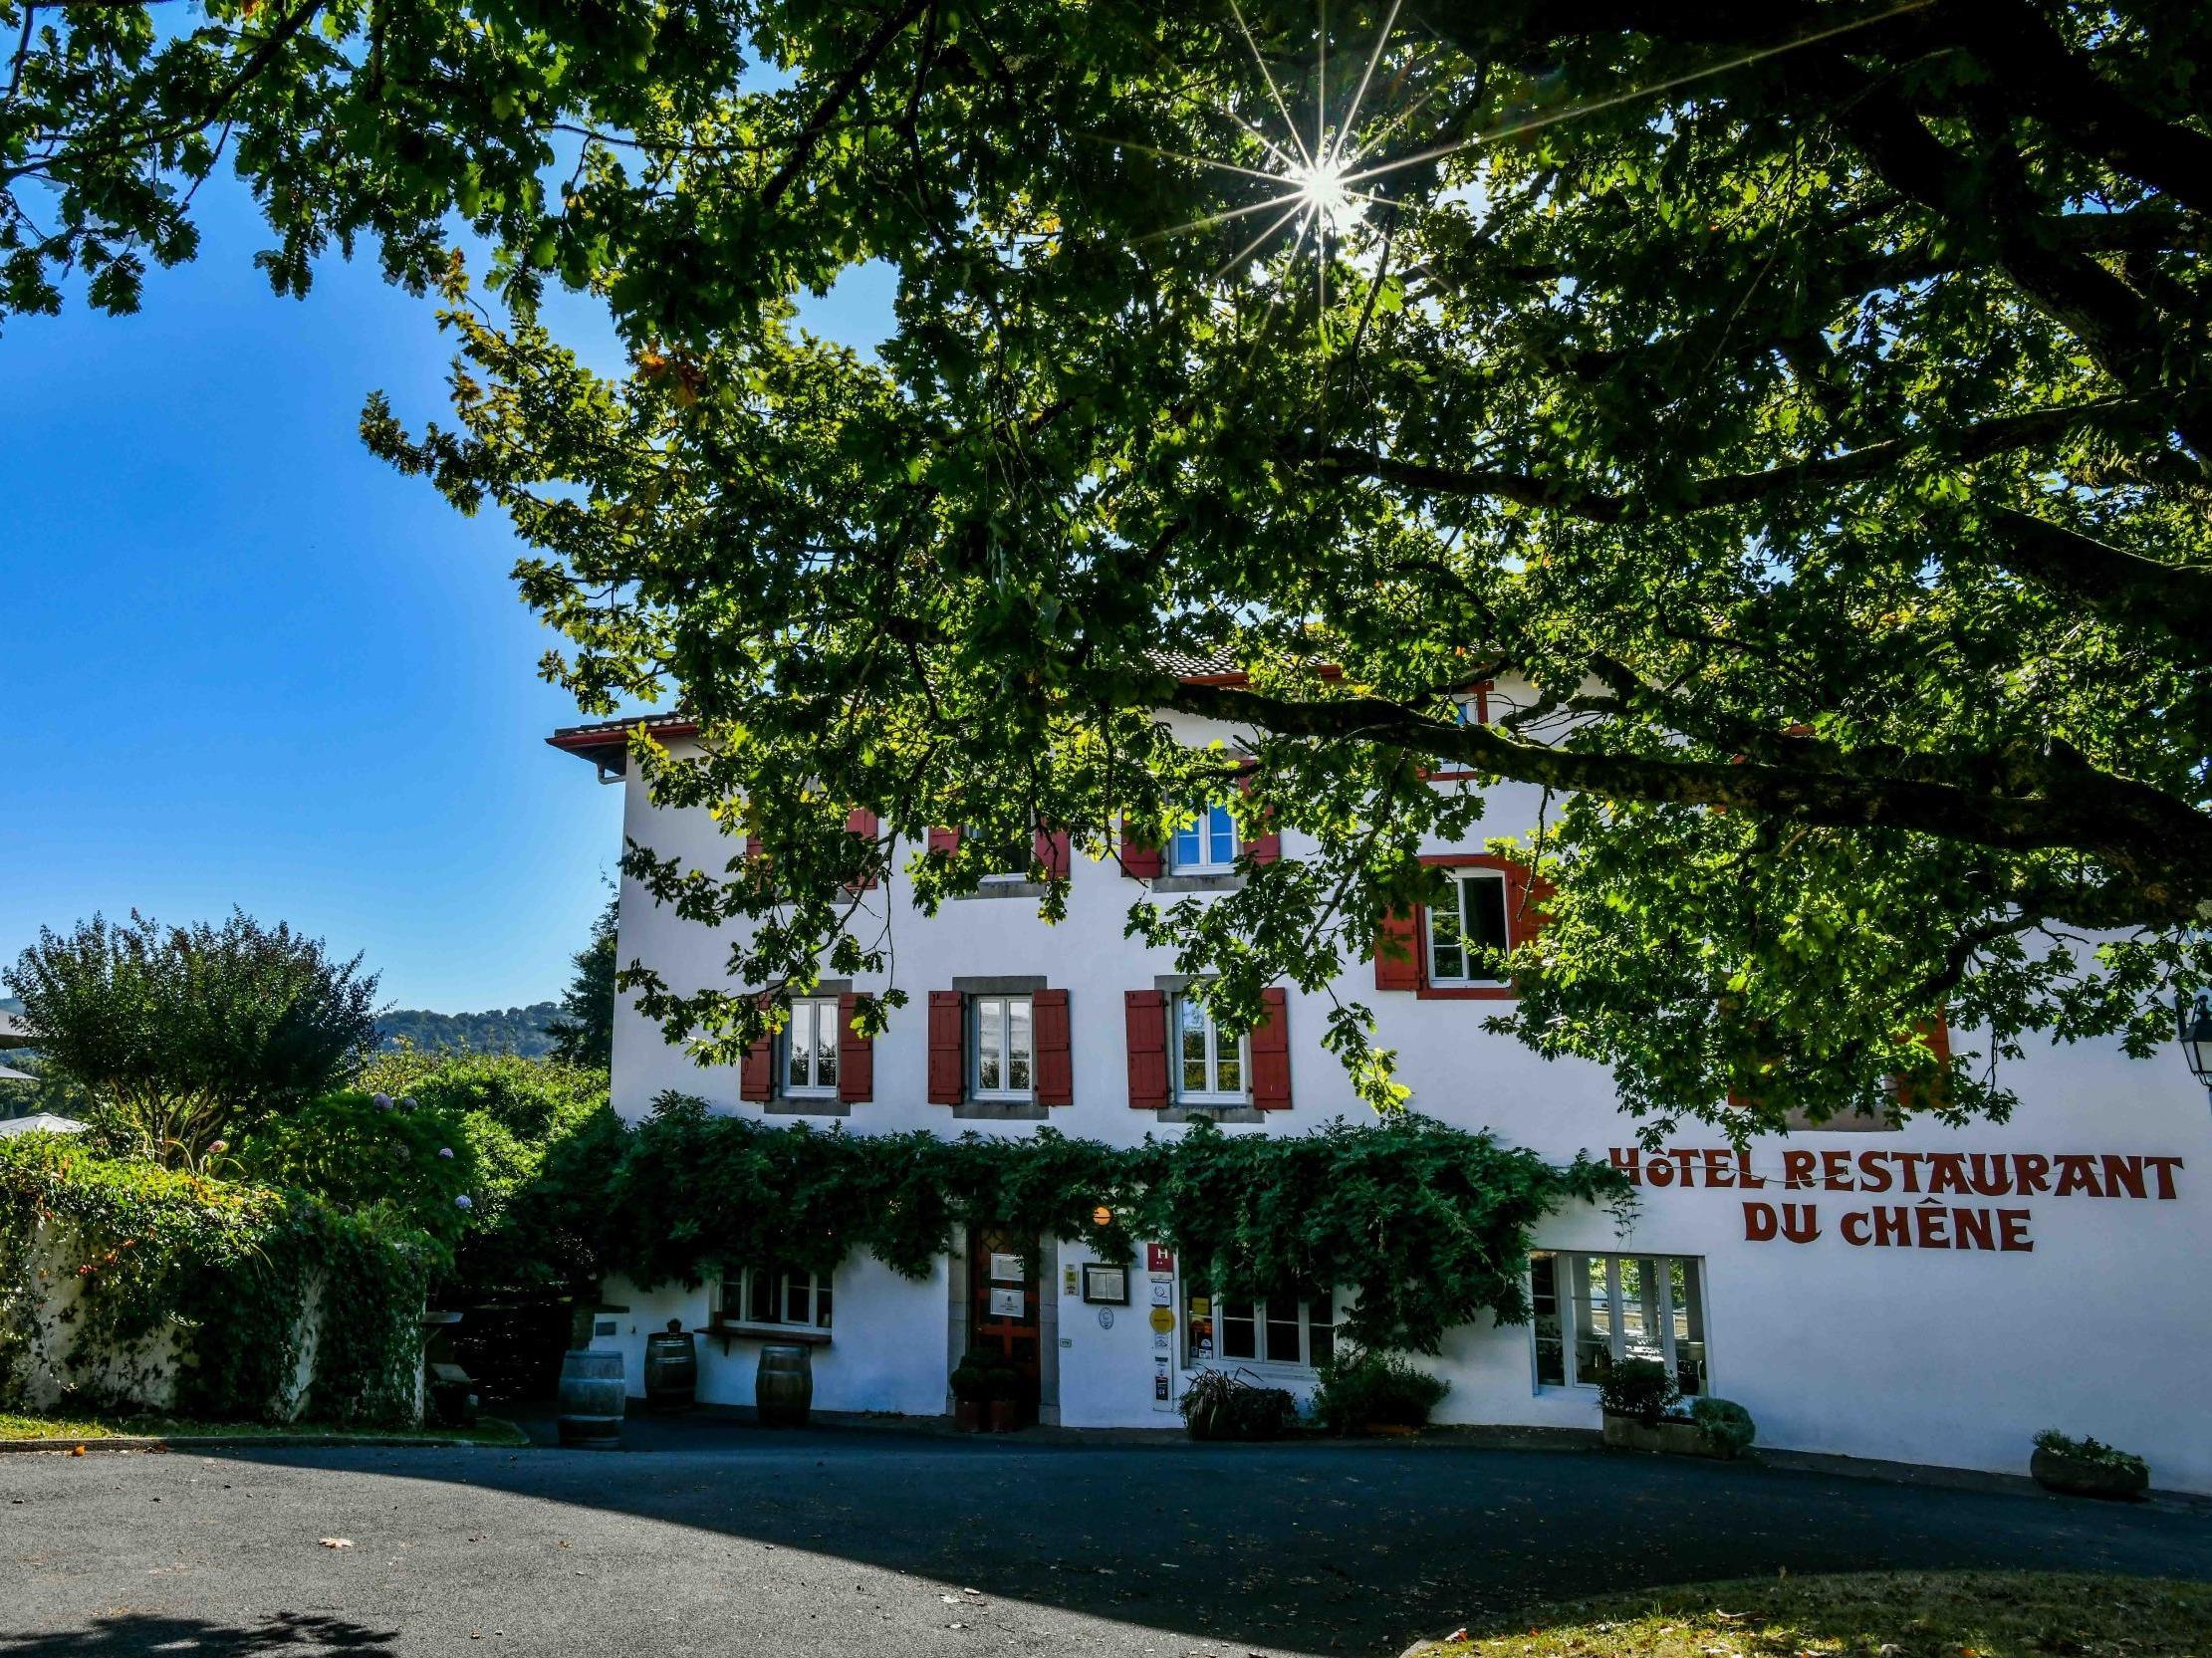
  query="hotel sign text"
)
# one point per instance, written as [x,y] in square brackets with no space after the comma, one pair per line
[1932,1194]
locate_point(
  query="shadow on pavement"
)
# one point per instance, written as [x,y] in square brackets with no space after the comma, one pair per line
[1327,1546]
[128,1634]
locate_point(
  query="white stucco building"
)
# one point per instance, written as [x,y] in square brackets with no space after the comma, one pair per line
[1925,1295]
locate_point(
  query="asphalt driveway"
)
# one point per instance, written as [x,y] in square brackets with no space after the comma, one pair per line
[735,1540]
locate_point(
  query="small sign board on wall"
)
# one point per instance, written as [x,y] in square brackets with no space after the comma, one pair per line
[1105,1286]
[1006,1304]
[1006,1268]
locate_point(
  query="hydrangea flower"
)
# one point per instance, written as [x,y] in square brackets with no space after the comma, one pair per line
[406,1102]
[464,1201]
[446,1151]
[382,1101]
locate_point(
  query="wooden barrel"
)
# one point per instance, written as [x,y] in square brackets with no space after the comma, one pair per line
[672,1368]
[591,1399]
[782,1389]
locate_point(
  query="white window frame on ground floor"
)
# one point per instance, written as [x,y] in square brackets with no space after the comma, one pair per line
[1679,1325]
[820,1300]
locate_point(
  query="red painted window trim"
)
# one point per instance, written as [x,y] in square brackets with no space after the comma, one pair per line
[1523,921]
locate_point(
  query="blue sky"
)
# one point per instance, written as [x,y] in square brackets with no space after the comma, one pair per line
[244,662]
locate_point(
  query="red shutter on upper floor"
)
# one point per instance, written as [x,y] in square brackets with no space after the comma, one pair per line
[1403,969]
[863,822]
[948,1047]
[1271,1052]
[1051,853]
[1138,860]
[1146,1013]
[1267,845]
[752,845]
[1056,1069]
[946,840]
[856,1053]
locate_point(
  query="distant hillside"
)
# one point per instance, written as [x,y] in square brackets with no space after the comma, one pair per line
[521,1029]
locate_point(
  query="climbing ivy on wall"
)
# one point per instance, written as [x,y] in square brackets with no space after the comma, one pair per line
[211,1279]
[1428,1225]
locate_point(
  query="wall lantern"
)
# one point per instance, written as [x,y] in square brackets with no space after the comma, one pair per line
[2196,1036]
[1102,1216]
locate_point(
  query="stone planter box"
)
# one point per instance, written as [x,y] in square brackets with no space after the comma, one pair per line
[1673,1435]
[2077,1478]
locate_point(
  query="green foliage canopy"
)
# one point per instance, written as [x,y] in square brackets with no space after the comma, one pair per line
[1808,398]
[1427,1225]
[184,1035]
[1809,401]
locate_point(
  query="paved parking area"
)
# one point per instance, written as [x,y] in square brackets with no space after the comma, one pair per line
[731,1540]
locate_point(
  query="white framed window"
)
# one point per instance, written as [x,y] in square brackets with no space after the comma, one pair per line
[1003,864]
[1211,1066]
[810,1067]
[1207,845]
[1003,1042]
[1467,921]
[1595,1309]
[777,1295]
[1295,1328]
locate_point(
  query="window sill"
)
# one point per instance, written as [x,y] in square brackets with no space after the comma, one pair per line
[1199,881]
[797,1336]
[807,1105]
[1467,992]
[1001,1111]
[1267,1369]
[1196,1112]
[1007,889]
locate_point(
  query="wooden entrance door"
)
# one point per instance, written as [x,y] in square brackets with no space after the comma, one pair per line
[1003,1305]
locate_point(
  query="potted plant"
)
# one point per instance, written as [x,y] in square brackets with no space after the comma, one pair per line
[971,1392]
[1726,1425]
[2088,1468]
[1362,1392]
[1636,1395]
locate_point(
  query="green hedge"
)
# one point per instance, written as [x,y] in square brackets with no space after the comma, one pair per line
[227,1269]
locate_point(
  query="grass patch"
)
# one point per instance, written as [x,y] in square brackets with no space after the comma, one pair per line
[491,1430]
[2020,1614]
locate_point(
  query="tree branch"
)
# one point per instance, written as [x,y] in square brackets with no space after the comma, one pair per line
[834,99]
[2160,845]
[1968,443]
[2109,579]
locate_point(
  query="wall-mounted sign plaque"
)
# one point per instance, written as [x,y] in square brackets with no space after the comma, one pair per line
[1006,1304]
[1105,1286]
[1006,1268]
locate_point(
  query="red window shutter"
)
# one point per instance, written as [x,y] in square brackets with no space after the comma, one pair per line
[1912,1096]
[945,840]
[752,846]
[1146,1013]
[856,1053]
[1055,1068]
[863,822]
[948,1047]
[1051,853]
[1271,1052]
[1139,861]
[1267,845]
[1404,970]
[756,1077]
